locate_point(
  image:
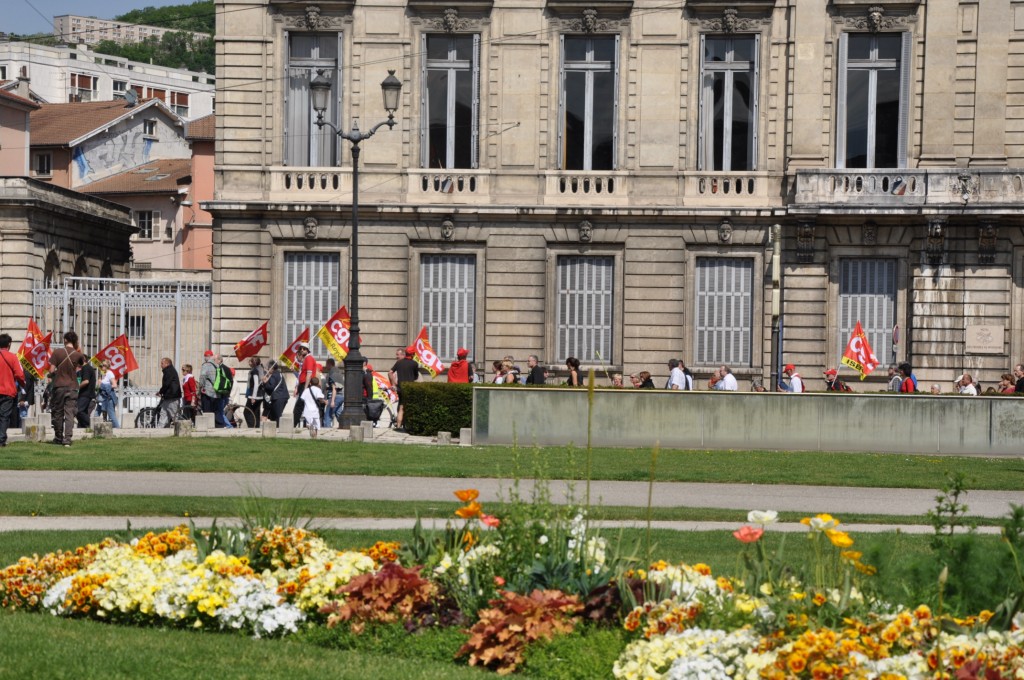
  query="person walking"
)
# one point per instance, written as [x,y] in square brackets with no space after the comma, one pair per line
[536,375]
[86,392]
[312,401]
[405,370]
[11,376]
[275,393]
[170,394]
[333,387]
[796,383]
[189,393]
[254,392]
[460,369]
[573,364]
[223,382]
[64,396]
[307,369]
[207,374]
[108,395]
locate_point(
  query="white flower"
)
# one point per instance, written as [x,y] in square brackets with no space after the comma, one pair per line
[762,517]
[543,540]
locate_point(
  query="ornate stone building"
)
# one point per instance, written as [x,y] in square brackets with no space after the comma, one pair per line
[627,181]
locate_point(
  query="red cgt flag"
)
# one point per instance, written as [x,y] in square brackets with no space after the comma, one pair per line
[858,354]
[425,355]
[251,344]
[287,358]
[119,354]
[34,352]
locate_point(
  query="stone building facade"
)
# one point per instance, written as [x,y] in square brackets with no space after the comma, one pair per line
[627,181]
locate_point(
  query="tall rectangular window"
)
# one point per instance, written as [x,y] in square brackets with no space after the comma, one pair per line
[179,103]
[120,88]
[311,283]
[724,310]
[448,302]
[448,128]
[82,87]
[867,293]
[304,143]
[873,107]
[588,102]
[584,300]
[728,103]
[144,220]
[42,164]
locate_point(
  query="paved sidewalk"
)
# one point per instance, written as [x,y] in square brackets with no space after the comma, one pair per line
[832,499]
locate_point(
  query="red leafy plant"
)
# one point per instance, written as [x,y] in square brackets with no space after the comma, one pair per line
[392,594]
[499,639]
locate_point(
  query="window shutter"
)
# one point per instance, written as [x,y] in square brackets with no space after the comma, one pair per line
[844,41]
[905,71]
[424,103]
[615,108]
[585,303]
[755,96]
[311,294]
[475,138]
[724,313]
[867,293]
[561,101]
[448,302]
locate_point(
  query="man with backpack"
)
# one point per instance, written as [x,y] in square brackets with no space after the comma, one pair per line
[223,383]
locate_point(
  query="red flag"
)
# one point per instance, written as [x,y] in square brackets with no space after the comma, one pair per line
[251,344]
[425,355]
[119,354]
[287,358]
[34,352]
[387,392]
[335,334]
[858,354]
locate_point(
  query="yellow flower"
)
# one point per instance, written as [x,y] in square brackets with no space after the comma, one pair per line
[840,539]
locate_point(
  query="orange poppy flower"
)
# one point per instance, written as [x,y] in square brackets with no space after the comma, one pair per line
[469,511]
[748,534]
[467,495]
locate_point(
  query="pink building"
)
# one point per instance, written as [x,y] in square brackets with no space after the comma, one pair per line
[14,134]
[197,241]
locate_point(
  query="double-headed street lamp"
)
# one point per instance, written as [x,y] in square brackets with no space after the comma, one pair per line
[320,92]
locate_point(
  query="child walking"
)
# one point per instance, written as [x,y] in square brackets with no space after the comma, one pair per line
[311,400]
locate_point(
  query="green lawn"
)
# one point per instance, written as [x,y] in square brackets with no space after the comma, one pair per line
[356,458]
[53,505]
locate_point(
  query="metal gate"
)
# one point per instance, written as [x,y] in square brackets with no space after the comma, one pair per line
[161,319]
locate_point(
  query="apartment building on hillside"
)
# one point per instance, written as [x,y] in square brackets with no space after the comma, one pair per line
[74,28]
[609,180]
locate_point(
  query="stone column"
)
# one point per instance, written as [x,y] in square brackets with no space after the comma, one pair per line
[941,23]
[994,19]
[810,29]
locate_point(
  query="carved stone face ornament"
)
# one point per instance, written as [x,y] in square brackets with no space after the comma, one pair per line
[450,20]
[875,15]
[313,17]
[589,20]
[448,230]
[729,20]
[310,225]
[725,231]
[586,231]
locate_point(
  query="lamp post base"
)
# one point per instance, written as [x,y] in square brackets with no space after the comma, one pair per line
[352,415]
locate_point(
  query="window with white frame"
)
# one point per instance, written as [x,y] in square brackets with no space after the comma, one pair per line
[42,164]
[873,108]
[120,88]
[584,304]
[82,87]
[724,317]
[588,102]
[179,103]
[867,293]
[451,76]
[145,221]
[149,128]
[728,103]
[304,143]
[448,302]
[311,283]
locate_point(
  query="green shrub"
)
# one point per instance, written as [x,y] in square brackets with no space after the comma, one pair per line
[586,654]
[432,407]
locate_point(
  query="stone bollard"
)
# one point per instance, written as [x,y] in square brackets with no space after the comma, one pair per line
[102,430]
[355,433]
[444,438]
[204,422]
[182,428]
[466,436]
[367,426]
[268,429]
[36,433]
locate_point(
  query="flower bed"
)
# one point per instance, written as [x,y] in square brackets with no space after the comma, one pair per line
[537,574]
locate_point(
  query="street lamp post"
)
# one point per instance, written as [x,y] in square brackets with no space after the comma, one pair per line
[320,92]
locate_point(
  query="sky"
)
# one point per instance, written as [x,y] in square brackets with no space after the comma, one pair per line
[20,16]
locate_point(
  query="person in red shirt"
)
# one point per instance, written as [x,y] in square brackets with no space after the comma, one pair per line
[460,369]
[307,369]
[11,376]
[907,385]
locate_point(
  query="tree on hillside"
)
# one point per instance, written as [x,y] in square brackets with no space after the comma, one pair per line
[198,16]
[174,50]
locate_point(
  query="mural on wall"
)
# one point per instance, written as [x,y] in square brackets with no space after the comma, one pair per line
[106,155]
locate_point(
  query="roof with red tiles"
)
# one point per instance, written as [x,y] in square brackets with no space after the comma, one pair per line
[15,99]
[163,176]
[204,128]
[61,124]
